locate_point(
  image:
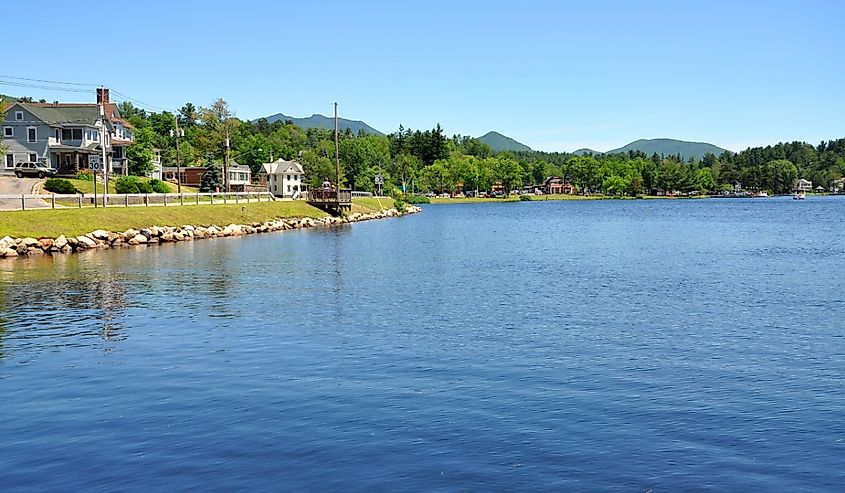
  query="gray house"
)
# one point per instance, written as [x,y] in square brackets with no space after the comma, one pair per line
[65,135]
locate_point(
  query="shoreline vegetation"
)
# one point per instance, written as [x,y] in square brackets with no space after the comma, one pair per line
[63,231]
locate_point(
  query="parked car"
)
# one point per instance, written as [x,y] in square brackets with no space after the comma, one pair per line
[40,170]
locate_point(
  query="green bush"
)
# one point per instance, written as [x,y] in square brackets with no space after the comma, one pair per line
[144,186]
[126,184]
[159,186]
[417,199]
[85,176]
[59,185]
[399,205]
[524,198]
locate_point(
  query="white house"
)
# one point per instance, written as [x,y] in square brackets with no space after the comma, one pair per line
[239,175]
[284,178]
[804,186]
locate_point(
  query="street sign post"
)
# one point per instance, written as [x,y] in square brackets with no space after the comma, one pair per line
[379,182]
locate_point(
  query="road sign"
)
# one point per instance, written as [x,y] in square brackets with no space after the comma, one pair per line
[93,161]
[379,179]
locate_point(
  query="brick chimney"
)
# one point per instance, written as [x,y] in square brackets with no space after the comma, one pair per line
[102,95]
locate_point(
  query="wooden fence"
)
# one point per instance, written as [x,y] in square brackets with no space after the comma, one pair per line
[53,201]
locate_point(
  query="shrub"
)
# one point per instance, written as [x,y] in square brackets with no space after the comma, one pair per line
[126,184]
[417,199]
[159,186]
[399,205]
[524,198]
[144,186]
[59,185]
[85,176]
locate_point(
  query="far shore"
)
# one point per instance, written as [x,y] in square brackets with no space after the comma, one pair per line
[556,197]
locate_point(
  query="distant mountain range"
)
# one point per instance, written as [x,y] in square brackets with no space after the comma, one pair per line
[501,142]
[320,121]
[669,147]
[665,147]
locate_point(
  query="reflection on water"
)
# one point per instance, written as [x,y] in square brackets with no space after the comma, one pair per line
[53,302]
[589,346]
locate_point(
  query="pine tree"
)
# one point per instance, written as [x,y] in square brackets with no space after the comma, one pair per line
[212,181]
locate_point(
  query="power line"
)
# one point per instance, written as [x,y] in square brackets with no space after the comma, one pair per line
[35,86]
[124,96]
[48,81]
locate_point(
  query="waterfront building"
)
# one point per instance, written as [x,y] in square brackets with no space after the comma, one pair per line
[804,186]
[284,178]
[68,137]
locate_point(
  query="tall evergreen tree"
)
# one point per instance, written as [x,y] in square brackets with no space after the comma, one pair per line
[212,180]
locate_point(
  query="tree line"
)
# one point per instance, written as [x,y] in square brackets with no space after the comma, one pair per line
[428,160]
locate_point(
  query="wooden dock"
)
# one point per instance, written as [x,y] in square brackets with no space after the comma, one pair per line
[332,201]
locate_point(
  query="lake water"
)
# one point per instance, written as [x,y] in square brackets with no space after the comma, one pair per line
[557,346]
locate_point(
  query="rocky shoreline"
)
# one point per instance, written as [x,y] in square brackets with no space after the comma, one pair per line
[154,235]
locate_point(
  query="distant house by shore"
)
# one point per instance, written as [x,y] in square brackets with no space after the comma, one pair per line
[804,186]
[555,185]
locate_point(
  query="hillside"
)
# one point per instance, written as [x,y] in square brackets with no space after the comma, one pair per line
[320,121]
[501,142]
[670,147]
[585,151]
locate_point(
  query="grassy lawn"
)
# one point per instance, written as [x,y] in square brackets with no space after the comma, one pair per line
[557,196]
[54,222]
[87,187]
[473,200]
[371,204]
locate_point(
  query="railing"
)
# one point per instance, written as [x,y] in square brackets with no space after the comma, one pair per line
[356,193]
[343,196]
[53,201]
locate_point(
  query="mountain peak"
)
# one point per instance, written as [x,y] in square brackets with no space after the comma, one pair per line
[501,142]
[319,121]
[669,147]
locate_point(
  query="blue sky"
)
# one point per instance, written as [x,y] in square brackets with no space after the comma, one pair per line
[554,75]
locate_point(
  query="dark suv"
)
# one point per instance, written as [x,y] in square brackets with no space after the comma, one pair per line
[40,170]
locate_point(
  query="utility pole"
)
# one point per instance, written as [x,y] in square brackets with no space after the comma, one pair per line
[226,161]
[103,156]
[336,151]
[178,133]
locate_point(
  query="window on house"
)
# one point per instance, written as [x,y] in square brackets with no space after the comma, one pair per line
[33,157]
[31,134]
[19,115]
[66,134]
[8,131]
[58,135]
[288,188]
[77,134]
[10,160]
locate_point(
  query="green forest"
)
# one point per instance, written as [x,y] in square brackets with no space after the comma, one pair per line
[428,160]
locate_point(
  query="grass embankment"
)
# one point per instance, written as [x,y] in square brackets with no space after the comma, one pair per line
[87,187]
[73,222]
[473,200]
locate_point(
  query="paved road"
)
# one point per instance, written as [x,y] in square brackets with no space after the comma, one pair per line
[16,186]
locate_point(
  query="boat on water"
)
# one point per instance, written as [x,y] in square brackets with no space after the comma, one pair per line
[799,196]
[761,193]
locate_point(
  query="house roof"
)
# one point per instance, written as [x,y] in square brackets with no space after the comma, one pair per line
[78,113]
[62,113]
[114,114]
[280,166]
